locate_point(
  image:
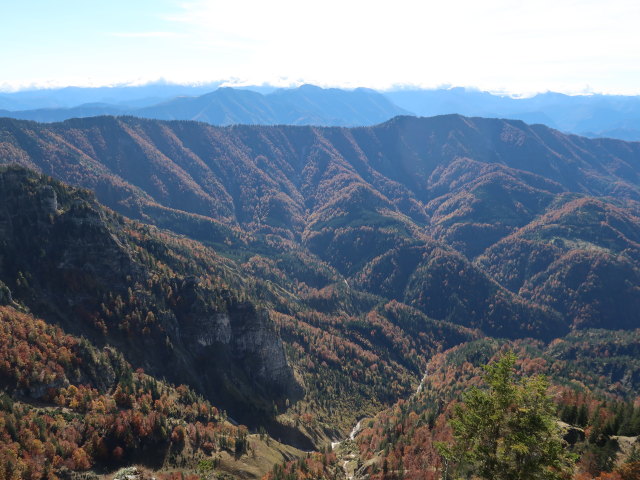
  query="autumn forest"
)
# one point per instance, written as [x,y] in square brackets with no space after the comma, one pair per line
[194,301]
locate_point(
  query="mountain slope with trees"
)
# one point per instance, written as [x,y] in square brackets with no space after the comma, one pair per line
[379,204]
[246,334]
[301,278]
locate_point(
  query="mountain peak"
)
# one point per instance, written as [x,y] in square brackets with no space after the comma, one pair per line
[310,88]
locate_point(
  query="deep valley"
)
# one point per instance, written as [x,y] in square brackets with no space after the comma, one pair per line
[186,297]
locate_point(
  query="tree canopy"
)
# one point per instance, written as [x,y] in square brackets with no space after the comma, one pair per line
[507,431]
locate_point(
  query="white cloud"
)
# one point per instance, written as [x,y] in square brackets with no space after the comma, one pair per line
[498,45]
[491,44]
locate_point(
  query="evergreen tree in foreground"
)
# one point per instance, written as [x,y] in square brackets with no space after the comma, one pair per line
[508,431]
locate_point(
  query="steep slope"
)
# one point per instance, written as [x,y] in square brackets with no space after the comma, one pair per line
[582,249]
[351,197]
[91,410]
[243,168]
[333,263]
[276,340]
[476,204]
[596,167]
[594,379]
[74,263]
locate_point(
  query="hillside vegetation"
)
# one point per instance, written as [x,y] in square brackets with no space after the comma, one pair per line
[302,278]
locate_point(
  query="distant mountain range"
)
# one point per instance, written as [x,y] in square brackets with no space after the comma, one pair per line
[123,96]
[306,105]
[613,116]
[587,115]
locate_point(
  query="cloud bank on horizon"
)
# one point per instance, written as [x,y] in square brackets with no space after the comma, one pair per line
[570,46]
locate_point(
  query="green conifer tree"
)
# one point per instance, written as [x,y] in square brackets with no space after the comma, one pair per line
[508,431]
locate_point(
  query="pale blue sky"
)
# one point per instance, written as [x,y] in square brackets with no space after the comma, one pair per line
[499,45]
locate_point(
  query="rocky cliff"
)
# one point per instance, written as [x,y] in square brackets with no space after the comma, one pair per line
[75,263]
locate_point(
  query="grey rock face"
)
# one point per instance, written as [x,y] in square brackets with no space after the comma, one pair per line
[245,333]
[218,330]
[79,261]
[255,337]
[49,199]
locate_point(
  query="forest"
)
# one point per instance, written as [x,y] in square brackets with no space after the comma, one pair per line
[175,293]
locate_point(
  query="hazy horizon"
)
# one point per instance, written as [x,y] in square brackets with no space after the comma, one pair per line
[499,46]
[221,83]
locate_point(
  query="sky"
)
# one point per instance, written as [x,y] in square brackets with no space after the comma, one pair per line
[515,47]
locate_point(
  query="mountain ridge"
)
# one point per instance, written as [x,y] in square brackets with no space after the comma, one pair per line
[358,199]
[304,277]
[305,105]
[592,115]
